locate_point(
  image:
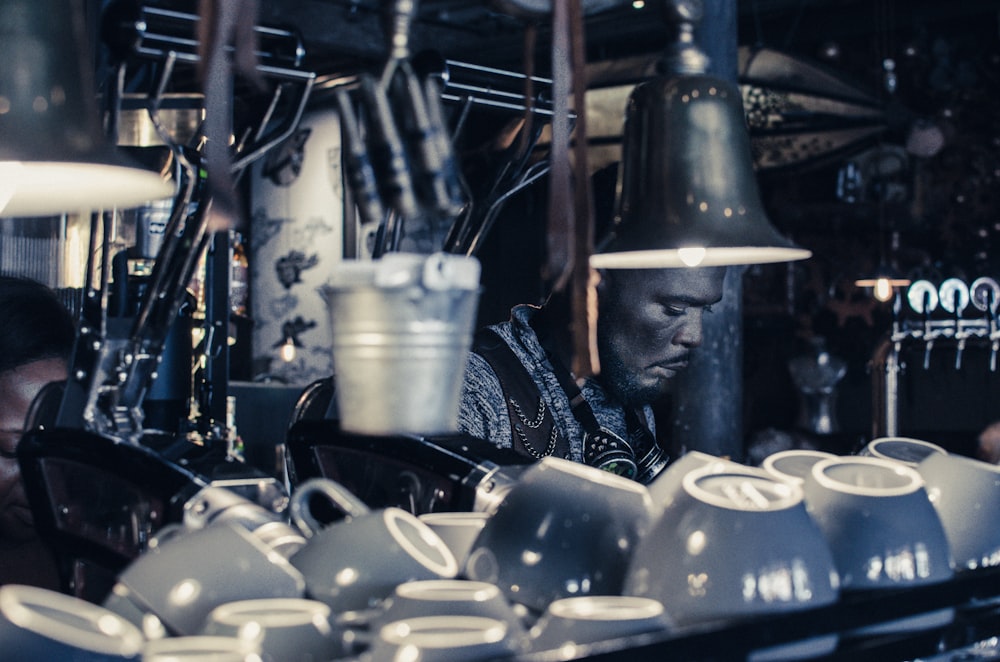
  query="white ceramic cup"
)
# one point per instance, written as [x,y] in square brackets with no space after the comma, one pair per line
[965,493]
[281,628]
[794,464]
[441,639]
[200,648]
[669,482]
[40,624]
[459,531]
[183,578]
[563,529]
[882,529]
[594,618]
[451,597]
[879,523]
[906,450]
[354,564]
[733,543]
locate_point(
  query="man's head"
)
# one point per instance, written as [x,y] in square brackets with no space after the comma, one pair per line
[648,322]
[36,339]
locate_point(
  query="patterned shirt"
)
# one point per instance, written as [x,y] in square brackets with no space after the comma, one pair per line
[484,412]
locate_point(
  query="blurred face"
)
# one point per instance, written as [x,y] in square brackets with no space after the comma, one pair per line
[649,321]
[18,388]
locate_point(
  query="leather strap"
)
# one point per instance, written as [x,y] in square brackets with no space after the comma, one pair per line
[561,218]
[533,427]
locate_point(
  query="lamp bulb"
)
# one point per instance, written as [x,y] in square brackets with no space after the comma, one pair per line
[693,256]
[883,289]
[287,350]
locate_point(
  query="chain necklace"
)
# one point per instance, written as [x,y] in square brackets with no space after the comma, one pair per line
[534,424]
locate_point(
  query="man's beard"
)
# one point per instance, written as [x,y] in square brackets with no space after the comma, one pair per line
[627,387]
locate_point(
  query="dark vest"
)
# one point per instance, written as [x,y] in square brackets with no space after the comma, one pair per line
[531,421]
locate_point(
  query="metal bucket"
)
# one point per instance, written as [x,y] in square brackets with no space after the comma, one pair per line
[401,330]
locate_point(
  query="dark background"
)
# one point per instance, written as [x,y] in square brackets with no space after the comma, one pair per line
[941,207]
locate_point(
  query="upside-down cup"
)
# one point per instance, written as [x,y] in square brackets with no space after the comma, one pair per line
[965,493]
[907,450]
[882,529]
[794,464]
[563,529]
[41,624]
[735,543]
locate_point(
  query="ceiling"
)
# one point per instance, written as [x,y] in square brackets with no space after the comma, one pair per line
[947,70]
[340,34]
[489,32]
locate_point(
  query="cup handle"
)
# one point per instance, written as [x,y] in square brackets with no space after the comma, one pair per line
[338,495]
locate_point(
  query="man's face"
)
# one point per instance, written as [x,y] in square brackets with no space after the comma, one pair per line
[18,389]
[649,321]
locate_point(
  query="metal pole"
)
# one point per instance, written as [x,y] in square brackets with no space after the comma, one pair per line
[708,396]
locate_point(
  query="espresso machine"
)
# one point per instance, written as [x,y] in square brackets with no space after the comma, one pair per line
[112,454]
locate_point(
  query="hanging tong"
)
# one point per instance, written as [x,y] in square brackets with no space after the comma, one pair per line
[399,158]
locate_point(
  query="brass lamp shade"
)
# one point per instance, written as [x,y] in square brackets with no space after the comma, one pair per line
[54,157]
[687,191]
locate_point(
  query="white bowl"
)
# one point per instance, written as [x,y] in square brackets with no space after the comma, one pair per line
[733,544]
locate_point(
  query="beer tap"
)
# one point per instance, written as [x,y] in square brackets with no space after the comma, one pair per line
[923,298]
[994,335]
[984,293]
[954,295]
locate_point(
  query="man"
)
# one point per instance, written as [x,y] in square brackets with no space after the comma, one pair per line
[36,339]
[519,394]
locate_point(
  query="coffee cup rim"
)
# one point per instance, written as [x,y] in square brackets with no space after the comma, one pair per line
[393,517]
[448,589]
[456,518]
[769,463]
[914,481]
[14,600]
[690,484]
[873,446]
[274,612]
[606,608]
[199,643]
[481,630]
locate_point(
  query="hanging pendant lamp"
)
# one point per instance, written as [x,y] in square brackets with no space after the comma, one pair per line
[54,157]
[687,191]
